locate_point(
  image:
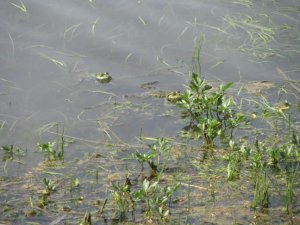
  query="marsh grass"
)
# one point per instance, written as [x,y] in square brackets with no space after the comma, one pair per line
[234,163]
[196,67]
[291,178]
[257,32]
[261,192]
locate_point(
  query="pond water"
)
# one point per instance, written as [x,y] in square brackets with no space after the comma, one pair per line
[51,50]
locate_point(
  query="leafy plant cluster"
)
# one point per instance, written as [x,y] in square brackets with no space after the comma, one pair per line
[150,195]
[212,113]
[157,156]
[10,152]
[153,198]
[51,153]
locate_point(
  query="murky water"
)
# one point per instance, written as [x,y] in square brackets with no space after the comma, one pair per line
[51,50]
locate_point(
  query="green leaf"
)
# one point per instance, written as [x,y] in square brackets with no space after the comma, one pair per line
[139,194]
[227,86]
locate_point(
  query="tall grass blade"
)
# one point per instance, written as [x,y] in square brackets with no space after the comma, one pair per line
[196,67]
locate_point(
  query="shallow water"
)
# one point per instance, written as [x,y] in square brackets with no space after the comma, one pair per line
[136,41]
[50,52]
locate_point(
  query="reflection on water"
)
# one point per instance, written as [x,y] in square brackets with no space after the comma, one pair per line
[51,50]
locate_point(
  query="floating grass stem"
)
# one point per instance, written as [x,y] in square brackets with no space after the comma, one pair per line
[61,64]
[22,7]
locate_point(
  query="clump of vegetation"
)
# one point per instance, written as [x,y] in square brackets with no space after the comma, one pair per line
[49,188]
[54,151]
[48,150]
[158,155]
[51,153]
[10,152]
[212,113]
[157,199]
[234,163]
[259,175]
[150,195]
[154,198]
[122,197]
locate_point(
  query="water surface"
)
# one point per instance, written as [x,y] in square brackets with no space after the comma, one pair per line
[50,52]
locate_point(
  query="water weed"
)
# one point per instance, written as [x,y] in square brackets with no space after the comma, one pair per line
[157,199]
[50,187]
[53,150]
[212,114]
[10,152]
[291,177]
[48,150]
[261,192]
[158,155]
[153,198]
[234,163]
[122,197]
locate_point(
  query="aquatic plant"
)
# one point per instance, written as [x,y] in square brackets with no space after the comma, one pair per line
[51,153]
[49,184]
[122,197]
[156,198]
[146,157]
[50,187]
[47,149]
[290,154]
[10,151]
[291,177]
[259,176]
[261,193]
[234,163]
[158,155]
[211,112]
